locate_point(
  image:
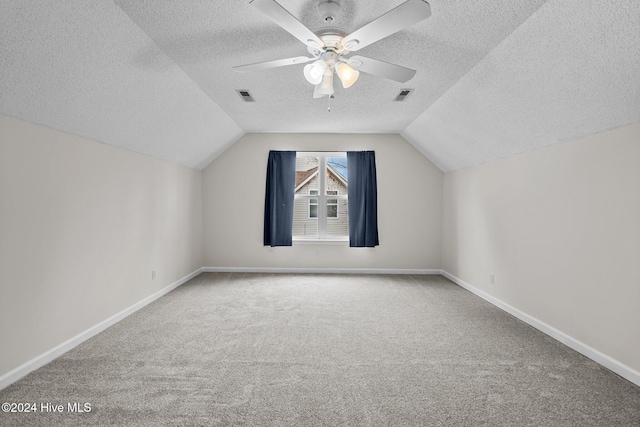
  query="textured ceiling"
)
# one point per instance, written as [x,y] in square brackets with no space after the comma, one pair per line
[73,66]
[571,70]
[493,77]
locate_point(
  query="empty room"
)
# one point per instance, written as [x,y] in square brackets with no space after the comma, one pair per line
[320,212]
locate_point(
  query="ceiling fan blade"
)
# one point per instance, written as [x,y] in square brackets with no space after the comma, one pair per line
[282,17]
[403,16]
[273,64]
[381,68]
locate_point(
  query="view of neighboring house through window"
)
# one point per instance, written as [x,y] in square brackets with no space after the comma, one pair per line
[313,205]
[320,205]
[332,204]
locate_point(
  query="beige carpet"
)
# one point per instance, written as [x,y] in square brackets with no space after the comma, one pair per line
[334,350]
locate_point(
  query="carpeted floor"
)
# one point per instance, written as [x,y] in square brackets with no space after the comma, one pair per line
[312,350]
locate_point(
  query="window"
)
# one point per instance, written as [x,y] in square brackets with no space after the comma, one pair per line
[326,178]
[332,205]
[320,197]
[313,205]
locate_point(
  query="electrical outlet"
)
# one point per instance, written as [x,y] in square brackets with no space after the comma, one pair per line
[492,279]
[153,274]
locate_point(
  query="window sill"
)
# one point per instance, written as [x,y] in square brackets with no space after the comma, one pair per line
[316,241]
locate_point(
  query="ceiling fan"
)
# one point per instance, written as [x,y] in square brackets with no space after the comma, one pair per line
[330,46]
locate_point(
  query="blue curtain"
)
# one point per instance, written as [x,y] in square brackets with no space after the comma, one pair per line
[278,199]
[363,199]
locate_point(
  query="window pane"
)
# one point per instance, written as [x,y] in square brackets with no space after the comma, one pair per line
[303,225]
[337,210]
[306,209]
[336,175]
[338,225]
[306,175]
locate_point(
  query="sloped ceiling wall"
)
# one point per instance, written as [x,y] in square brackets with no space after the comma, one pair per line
[71,65]
[571,70]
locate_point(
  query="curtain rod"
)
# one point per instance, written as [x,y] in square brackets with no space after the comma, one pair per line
[325,151]
[329,151]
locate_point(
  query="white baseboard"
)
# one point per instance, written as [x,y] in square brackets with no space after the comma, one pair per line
[46,357]
[593,354]
[319,270]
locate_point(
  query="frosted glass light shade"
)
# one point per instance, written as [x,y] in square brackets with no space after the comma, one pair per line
[348,76]
[314,72]
[326,87]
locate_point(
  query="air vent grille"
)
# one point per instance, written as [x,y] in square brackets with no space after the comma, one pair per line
[404,93]
[245,95]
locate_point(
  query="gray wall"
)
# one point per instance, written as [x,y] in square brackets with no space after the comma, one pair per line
[560,229]
[82,224]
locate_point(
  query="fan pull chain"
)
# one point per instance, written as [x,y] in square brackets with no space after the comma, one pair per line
[329,107]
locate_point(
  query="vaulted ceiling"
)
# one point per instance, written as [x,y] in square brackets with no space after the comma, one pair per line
[494,78]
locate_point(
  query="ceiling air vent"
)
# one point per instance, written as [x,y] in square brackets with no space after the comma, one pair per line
[245,95]
[403,94]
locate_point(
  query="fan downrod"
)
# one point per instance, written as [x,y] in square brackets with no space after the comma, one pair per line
[328,9]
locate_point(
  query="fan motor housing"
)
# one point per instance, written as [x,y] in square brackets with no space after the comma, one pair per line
[331,37]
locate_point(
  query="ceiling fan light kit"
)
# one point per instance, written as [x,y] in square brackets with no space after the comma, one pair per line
[330,46]
[326,85]
[348,76]
[314,72]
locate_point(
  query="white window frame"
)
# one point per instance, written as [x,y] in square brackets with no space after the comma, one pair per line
[322,198]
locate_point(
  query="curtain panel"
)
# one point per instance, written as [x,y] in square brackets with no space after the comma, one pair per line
[278,199]
[363,199]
